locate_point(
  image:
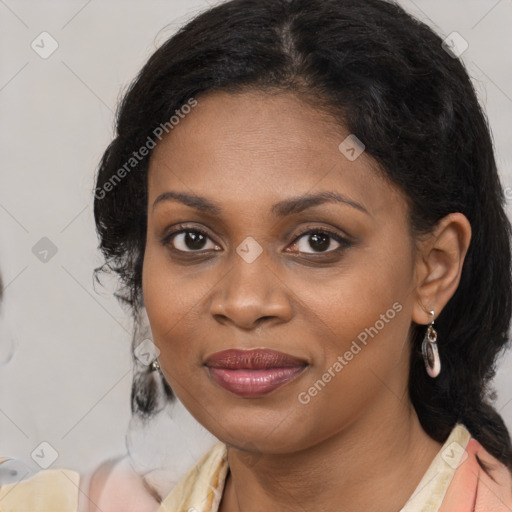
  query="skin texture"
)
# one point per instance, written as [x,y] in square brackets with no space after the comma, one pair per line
[358,441]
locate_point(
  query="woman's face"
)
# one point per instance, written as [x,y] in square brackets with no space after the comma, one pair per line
[266,275]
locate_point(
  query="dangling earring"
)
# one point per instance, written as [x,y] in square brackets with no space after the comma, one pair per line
[430,351]
[150,391]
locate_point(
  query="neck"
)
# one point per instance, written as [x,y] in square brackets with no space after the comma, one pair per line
[373,464]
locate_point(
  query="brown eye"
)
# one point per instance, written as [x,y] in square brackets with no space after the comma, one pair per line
[320,241]
[189,240]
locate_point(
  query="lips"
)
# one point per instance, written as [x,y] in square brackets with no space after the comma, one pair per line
[253,373]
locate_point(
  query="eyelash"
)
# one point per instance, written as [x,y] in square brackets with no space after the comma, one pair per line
[344,242]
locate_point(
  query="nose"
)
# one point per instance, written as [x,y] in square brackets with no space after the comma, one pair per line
[250,294]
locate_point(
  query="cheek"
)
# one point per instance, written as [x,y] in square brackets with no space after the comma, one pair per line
[361,347]
[168,304]
[361,296]
[363,316]
[174,299]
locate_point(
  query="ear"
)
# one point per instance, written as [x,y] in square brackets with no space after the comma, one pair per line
[438,267]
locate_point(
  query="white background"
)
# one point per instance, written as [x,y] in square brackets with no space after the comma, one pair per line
[65,346]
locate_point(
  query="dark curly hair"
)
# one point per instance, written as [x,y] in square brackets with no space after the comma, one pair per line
[386,77]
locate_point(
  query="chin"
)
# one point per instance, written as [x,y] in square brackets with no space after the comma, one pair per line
[264,432]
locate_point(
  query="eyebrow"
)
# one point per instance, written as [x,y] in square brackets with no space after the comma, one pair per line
[280,209]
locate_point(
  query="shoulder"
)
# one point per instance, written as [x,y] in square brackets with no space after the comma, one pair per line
[481,483]
[49,489]
[494,477]
[116,487]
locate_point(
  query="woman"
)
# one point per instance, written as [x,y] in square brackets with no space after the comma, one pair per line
[322,185]
[302,196]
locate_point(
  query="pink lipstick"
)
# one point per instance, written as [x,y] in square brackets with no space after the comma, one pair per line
[253,373]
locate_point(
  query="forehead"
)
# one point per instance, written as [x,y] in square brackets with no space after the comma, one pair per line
[268,123]
[249,147]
